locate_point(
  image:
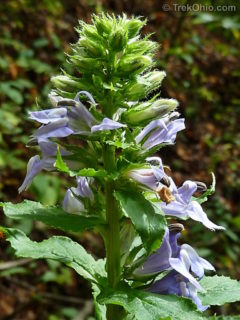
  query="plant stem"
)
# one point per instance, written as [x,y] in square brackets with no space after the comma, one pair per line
[113,231]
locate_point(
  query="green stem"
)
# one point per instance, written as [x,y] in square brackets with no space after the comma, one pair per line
[113,231]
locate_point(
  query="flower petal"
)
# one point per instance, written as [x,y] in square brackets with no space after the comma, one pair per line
[198,264]
[47,116]
[107,124]
[35,165]
[145,177]
[57,129]
[196,212]
[71,204]
[83,188]
[194,297]
[158,261]
[152,125]
[187,190]
[174,208]
[167,285]
[86,93]
[165,133]
[182,265]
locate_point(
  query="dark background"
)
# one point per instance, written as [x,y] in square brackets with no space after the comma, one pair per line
[200,53]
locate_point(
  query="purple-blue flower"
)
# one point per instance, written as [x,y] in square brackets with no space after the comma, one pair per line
[183,205]
[37,164]
[71,118]
[172,256]
[71,203]
[150,177]
[175,283]
[184,262]
[160,131]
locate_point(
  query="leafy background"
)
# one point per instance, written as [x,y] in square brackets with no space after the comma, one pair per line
[200,53]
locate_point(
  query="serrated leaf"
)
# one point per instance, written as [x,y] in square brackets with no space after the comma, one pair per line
[149,224]
[61,249]
[54,216]
[219,290]
[144,305]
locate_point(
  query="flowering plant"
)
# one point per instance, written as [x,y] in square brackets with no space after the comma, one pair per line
[102,129]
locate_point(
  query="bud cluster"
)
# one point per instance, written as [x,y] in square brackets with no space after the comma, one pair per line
[113,60]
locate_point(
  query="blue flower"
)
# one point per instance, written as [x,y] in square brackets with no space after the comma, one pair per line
[160,131]
[183,260]
[175,283]
[71,118]
[151,176]
[71,203]
[37,164]
[183,205]
[172,256]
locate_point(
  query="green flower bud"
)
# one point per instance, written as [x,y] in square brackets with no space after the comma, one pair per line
[118,40]
[154,80]
[85,65]
[148,110]
[103,24]
[66,84]
[156,77]
[136,91]
[92,48]
[131,64]
[90,32]
[141,47]
[144,85]
[134,26]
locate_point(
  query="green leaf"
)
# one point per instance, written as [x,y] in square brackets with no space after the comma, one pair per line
[149,224]
[62,249]
[54,216]
[219,290]
[60,164]
[90,172]
[99,309]
[144,305]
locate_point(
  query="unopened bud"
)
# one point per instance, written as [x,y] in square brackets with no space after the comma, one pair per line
[147,111]
[93,48]
[85,65]
[103,24]
[141,46]
[133,64]
[144,85]
[91,33]
[118,40]
[134,26]
[65,83]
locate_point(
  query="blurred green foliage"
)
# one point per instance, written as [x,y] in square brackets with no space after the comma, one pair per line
[199,51]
